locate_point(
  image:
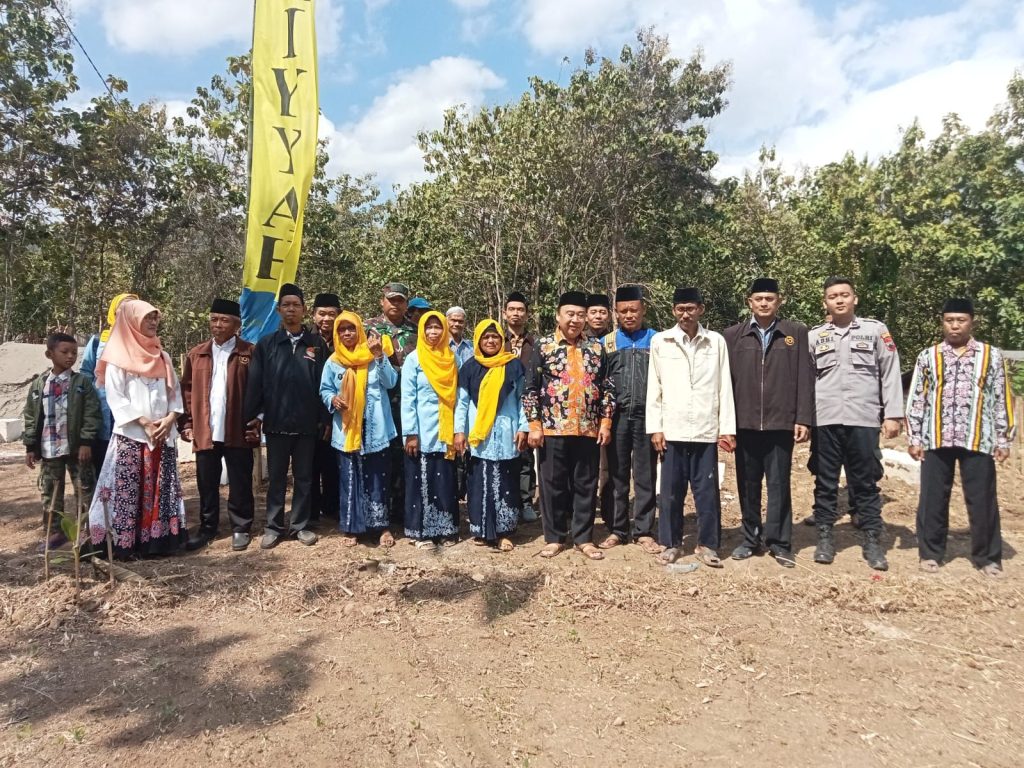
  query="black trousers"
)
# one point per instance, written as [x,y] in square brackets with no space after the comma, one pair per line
[99,453]
[299,451]
[325,482]
[694,465]
[765,457]
[978,475]
[396,455]
[568,479]
[854,448]
[240,504]
[527,477]
[631,455]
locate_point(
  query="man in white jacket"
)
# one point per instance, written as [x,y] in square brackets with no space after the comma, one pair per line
[689,413]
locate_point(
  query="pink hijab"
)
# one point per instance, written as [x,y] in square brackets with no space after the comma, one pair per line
[131,350]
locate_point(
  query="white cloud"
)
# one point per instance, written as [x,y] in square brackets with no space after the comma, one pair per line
[383,139]
[182,27]
[815,85]
[470,5]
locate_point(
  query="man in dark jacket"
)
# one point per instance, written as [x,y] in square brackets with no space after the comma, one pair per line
[326,308]
[773,387]
[213,385]
[283,398]
[631,452]
[519,340]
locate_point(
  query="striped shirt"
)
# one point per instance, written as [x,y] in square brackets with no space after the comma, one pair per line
[960,401]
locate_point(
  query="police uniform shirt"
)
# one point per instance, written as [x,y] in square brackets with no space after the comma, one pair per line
[857,372]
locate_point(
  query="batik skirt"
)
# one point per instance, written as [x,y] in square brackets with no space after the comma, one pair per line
[494,503]
[431,508]
[138,496]
[365,491]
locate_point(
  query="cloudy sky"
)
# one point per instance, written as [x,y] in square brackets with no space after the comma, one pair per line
[814,78]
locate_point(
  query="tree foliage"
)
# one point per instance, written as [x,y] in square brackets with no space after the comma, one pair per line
[601,180]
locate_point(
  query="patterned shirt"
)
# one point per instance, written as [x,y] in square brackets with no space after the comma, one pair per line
[568,391]
[54,442]
[960,401]
[463,350]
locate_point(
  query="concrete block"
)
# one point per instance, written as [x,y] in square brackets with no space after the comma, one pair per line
[11,429]
[899,466]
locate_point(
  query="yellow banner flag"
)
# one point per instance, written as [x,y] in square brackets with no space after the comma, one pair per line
[282,154]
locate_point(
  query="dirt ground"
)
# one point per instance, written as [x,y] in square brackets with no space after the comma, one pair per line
[464,657]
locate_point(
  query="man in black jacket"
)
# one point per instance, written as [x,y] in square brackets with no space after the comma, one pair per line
[773,386]
[631,454]
[283,397]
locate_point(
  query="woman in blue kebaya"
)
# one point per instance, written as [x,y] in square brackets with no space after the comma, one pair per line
[354,387]
[490,421]
[429,391]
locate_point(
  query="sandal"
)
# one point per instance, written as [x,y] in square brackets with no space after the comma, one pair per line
[612,541]
[993,570]
[589,551]
[425,544]
[349,541]
[480,542]
[709,557]
[649,545]
[550,550]
[386,540]
[505,545]
[929,566]
[669,555]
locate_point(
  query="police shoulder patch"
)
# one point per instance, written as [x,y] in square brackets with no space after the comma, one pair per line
[889,343]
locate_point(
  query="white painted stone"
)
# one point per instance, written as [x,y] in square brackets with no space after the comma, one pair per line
[11,429]
[900,466]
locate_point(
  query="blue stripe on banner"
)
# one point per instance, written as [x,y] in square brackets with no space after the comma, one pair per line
[259,308]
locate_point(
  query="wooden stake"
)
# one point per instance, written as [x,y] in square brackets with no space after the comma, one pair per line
[46,534]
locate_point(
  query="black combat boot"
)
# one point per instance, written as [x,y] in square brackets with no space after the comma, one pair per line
[825,552]
[873,551]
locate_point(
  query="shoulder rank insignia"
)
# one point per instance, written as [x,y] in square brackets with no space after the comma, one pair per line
[889,343]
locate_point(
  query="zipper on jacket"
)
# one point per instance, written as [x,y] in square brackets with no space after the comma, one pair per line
[764,356]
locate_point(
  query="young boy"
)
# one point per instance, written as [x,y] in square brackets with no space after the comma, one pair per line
[62,421]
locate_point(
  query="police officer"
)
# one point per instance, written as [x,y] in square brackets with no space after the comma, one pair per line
[857,389]
[630,455]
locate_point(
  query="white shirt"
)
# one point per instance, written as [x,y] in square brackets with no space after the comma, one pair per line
[689,387]
[219,388]
[131,396]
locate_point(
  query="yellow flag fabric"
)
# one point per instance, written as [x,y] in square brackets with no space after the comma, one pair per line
[490,386]
[282,154]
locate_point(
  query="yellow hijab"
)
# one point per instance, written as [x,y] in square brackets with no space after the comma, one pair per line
[353,386]
[490,385]
[115,303]
[438,364]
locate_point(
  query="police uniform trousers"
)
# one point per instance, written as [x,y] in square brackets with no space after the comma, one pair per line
[693,466]
[568,480]
[239,462]
[978,475]
[765,457]
[854,448]
[631,455]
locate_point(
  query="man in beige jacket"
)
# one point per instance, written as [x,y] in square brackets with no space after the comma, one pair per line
[689,413]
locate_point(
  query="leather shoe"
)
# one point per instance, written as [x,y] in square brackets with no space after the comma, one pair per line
[240,540]
[199,540]
[784,558]
[270,540]
[743,552]
[307,537]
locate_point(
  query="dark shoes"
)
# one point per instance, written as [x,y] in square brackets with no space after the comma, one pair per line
[307,537]
[199,540]
[825,552]
[784,558]
[270,540]
[240,540]
[873,551]
[809,520]
[744,552]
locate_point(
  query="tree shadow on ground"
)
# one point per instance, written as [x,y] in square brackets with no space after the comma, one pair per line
[502,594]
[134,687]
